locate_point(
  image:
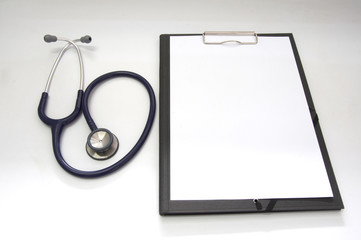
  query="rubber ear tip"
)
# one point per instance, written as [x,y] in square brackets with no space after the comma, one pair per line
[86,39]
[50,38]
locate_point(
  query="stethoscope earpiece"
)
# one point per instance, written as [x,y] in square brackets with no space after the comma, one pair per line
[50,38]
[101,144]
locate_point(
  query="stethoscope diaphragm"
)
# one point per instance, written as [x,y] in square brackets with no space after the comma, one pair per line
[101,144]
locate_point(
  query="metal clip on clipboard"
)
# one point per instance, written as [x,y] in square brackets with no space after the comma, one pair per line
[222,37]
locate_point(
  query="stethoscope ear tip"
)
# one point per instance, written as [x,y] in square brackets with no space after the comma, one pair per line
[50,38]
[86,39]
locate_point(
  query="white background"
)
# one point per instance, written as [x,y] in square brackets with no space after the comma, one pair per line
[38,200]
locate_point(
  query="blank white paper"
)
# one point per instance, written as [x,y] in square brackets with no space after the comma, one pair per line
[240,124]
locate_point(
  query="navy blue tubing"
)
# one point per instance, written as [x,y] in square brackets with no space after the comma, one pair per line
[57,125]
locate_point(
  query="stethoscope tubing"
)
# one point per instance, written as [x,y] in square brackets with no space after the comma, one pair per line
[57,125]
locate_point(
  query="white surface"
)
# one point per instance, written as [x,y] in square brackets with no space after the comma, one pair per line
[38,200]
[240,123]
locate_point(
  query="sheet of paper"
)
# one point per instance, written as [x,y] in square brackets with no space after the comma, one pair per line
[240,124]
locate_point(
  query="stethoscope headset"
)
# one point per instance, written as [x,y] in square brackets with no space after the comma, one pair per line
[101,143]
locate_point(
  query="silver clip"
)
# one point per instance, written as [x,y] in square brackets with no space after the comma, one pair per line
[243,38]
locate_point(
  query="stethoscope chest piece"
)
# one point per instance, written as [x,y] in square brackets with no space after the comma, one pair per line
[101,144]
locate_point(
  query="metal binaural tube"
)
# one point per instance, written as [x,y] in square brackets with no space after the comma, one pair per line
[50,38]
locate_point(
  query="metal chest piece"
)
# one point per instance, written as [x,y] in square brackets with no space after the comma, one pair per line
[101,144]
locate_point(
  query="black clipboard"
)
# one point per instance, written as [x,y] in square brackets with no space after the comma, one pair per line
[199,205]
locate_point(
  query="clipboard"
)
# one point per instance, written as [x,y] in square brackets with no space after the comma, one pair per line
[238,128]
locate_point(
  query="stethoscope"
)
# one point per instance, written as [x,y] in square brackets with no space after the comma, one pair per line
[101,143]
